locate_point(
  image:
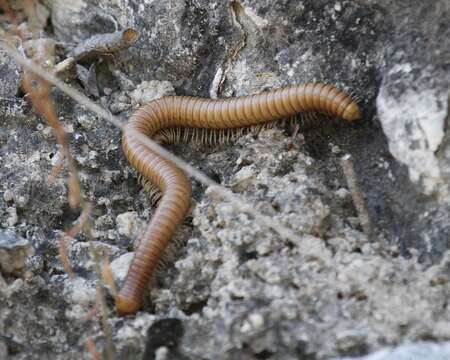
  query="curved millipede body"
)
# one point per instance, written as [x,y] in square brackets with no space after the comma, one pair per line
[183,111]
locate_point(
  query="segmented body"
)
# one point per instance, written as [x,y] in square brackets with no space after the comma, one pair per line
[230,113]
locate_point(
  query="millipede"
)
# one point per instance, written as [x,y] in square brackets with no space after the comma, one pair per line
[172,112]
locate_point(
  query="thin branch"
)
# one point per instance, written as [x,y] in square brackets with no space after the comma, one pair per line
[101,298]
[103,44]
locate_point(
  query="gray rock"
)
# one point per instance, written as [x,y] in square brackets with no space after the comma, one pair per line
[415,85]
[151,90]
[14,252]
[126,223]
[10,76]
[412,107]
[413,120]
[418,351]
[119,267]
[361,296]
[3,349]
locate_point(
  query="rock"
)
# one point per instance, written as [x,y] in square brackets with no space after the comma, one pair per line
[128,223]
[82,26]
[120,266]
[352,341]
[3,349]
[151,90]
[412,107]
[10,76]
[81,255]
[235,288]
[8,196]
[14,252]
[243,177]
[80,292]
[418,351]
[414,120]
[12,218]
[238,279]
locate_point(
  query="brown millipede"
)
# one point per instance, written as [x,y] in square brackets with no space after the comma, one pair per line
[183,111]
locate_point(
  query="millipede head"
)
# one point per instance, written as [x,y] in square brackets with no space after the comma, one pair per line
[352,112]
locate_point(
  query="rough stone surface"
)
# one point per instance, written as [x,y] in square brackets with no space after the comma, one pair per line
[417,78]
[9,76]
[151,90]
[413,109]
[417,351]
[353,293]
[235,289]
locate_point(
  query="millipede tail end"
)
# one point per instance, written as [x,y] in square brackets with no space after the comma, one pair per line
[126,305]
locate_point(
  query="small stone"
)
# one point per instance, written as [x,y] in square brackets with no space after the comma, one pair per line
[126,223]
[246,327]
[256,320]
[336,149]
[16,287]
[342,193]
[243,177]
[161,353]
[8,196]
[151,90]
[68,128]
[351,340]
[14,252]
[120,266]
[12,218]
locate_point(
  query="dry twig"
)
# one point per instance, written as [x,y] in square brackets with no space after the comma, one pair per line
[104,44]
[92,349]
